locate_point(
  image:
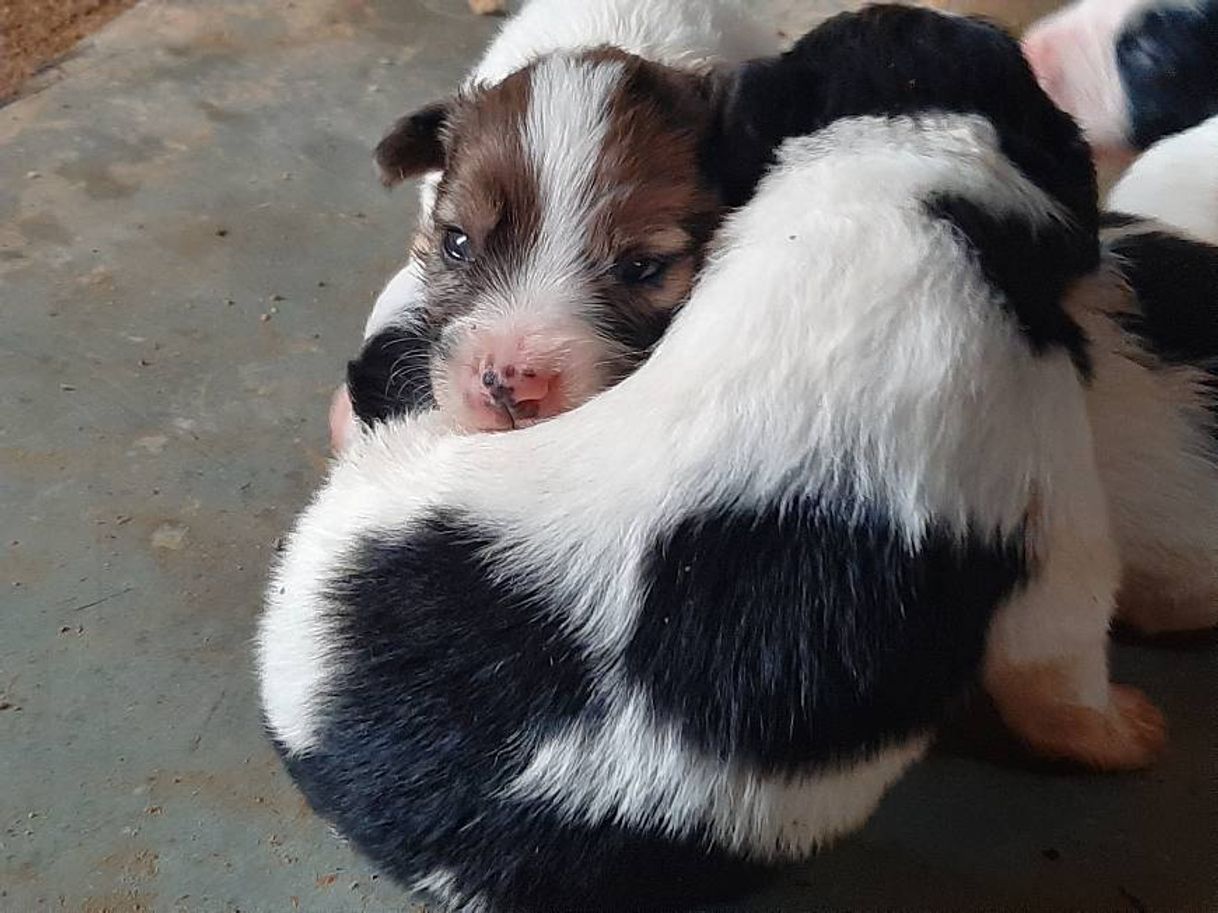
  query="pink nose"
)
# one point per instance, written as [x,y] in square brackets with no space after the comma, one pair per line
[509,393]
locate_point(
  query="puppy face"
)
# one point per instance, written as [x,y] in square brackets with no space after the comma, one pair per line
[569,221]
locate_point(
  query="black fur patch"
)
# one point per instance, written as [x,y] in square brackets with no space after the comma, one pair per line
[451,679]
[1031,266]
[1110,219]
[896,60]
[796,636]
[1167,58]
[637,329]
[392,375]
[1175,281]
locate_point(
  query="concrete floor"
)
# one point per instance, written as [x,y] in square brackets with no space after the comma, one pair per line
[190,238]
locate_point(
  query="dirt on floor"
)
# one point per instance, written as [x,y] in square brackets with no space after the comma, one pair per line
[34,33]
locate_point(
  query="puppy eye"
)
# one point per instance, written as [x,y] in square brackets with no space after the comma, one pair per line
[637,270]
[456,246]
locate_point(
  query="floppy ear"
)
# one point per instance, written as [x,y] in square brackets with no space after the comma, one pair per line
[742,141]
[414,146]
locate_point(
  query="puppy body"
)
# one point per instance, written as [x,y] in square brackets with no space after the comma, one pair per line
[1176,182]
[678,641]
[1152,316]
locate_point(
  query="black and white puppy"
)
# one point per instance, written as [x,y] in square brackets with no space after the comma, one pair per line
[700,624]
[1153,318]
[1155,399]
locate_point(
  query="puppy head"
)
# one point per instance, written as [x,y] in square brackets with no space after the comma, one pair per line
[570,218]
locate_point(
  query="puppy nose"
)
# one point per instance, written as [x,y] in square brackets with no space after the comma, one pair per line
[518,389]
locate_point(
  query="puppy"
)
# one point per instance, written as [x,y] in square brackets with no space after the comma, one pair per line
[1153,320]
[579,232]
[1152,316]
[698,626]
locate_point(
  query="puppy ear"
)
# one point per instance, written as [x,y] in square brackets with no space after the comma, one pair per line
[414,146]
[742,141]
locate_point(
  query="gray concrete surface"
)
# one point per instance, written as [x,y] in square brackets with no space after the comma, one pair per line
[190,237]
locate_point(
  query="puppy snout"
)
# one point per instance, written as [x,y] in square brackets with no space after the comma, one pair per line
[519,390]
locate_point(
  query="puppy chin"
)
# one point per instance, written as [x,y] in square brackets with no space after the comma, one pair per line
[580,365]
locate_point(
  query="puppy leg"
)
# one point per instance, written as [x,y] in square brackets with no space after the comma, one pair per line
[1047,660]
[1154,602]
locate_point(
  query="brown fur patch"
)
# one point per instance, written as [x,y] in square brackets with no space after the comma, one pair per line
[1037,702]
[414,145]
[489,191]
[650,199]
[651,178]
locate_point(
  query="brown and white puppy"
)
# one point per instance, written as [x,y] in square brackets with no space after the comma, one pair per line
[574,207]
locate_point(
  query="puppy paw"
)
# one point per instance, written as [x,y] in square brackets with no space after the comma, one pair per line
[1135,731]
[1128,734]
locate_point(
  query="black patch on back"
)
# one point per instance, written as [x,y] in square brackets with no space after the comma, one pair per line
[1175,280]
[787,637]
[392,374]
[896,60]
[451,678]
[1031,266]
[1167,58]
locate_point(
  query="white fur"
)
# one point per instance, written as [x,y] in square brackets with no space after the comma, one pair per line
[632,769]
[690,34]
[1176,182]
[399,300]
[678,33]
[564,131]
[295,634]
[1157,456]
[896,377]
[1073,52]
